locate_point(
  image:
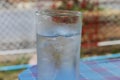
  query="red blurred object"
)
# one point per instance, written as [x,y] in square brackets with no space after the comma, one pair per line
[83,4]
[65,19]
[89,45]
[54,6]
[70,4]
[90,30]
[96,3]
[86,5]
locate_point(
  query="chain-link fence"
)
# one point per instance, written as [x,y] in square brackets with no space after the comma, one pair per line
[17,26]
[101,33]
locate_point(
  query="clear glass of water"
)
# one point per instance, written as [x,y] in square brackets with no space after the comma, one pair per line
[58,44]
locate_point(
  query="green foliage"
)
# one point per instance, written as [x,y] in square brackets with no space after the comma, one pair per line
[78,5]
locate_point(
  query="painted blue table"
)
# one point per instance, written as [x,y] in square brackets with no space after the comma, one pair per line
[101,68]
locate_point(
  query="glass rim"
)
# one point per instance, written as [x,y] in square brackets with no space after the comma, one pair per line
[58,12]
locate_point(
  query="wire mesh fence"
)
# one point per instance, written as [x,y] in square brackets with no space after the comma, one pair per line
[16,4]
[101,29]
[17,26]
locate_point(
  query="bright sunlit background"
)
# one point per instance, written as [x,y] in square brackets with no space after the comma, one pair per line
[100,32]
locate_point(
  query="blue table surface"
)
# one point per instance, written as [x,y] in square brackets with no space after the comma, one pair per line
[105,69]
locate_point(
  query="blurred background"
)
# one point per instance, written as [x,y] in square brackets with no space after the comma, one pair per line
[100,32]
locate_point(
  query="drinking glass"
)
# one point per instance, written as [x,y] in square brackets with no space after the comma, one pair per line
[58,44]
